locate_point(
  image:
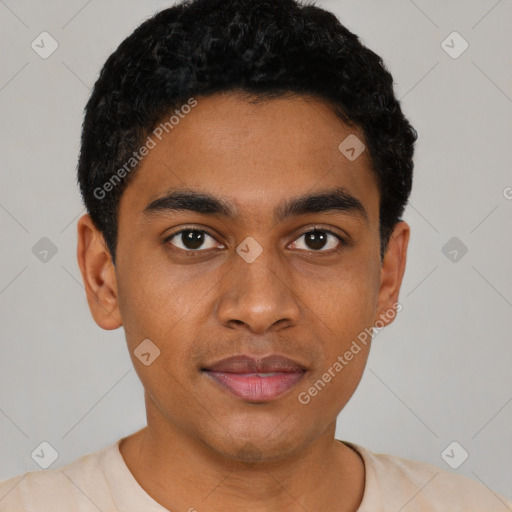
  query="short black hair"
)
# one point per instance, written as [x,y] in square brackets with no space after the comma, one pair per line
[262,48]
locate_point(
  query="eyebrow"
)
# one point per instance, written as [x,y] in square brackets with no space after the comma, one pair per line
[330,201]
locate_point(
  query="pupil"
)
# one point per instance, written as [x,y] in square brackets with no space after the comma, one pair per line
[316,239]
[192,239]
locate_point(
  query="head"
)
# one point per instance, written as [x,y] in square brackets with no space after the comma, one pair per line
[273,135]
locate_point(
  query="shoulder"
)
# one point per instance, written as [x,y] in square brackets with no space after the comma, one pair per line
[78,485]
[408,485]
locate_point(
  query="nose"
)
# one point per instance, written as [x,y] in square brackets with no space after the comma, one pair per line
[258,296]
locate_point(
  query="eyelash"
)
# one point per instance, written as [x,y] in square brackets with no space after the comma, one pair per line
[192,253]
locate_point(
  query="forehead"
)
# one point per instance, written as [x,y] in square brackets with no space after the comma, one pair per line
[255,155]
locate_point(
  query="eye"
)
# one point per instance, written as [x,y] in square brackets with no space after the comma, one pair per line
[319,240]
[197,240]
[191,240]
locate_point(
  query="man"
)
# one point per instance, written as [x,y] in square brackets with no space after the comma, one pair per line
[244,165]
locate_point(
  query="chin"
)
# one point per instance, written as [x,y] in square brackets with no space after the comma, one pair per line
[263,445]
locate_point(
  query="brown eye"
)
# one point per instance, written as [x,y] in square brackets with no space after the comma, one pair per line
[319,241]
[192,240]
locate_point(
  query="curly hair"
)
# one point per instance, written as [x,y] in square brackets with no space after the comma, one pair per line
[264,48]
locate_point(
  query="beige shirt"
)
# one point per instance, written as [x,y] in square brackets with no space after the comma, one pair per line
[101,481]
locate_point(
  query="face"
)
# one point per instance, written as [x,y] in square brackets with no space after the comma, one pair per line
[223,251]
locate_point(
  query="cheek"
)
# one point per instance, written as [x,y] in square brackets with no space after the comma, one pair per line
[343,310]
[343,315]
[150,299]
[165,303]
[346,297]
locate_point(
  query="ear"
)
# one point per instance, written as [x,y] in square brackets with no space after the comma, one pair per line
[391,274]
[98,274]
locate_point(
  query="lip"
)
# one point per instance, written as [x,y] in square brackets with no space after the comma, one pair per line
[242,363]
[241,375]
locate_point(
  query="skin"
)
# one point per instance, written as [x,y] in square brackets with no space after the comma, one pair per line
[204,448]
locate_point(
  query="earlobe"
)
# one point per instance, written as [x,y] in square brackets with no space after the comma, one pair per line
[98,274]
[392,272]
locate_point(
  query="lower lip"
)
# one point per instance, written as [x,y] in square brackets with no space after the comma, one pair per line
[254,388]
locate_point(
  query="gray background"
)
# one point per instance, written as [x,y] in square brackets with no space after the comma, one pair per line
[440,373]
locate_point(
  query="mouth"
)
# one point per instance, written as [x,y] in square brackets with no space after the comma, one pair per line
[256,380]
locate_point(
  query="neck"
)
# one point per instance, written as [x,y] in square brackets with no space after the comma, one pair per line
[182,473]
